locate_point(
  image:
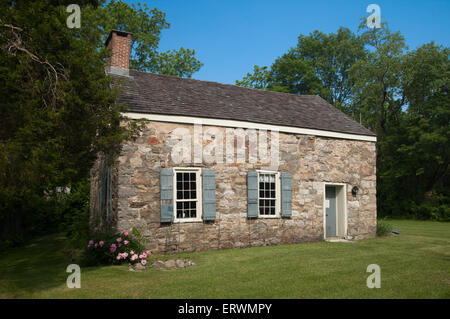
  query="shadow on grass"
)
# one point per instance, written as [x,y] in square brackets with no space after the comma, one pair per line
[37,266]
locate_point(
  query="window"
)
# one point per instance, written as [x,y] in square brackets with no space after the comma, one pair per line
[187,194]
[268,191]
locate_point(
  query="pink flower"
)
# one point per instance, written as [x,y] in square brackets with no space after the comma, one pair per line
[96,229]
[125,255]
[126,242]
[119,240]
[118,257]
[91,242]
[143,262]
[112,248]
[134,257]
[148,252]
[101,243]
[125,234]
[132,252]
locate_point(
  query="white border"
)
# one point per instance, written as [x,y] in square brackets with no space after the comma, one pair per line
[344,185]
[249,125]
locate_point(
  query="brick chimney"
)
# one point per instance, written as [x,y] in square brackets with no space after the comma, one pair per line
[120,44]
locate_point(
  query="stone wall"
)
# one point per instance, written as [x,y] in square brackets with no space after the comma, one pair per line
[311,160]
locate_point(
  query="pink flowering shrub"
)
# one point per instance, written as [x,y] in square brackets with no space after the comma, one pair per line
[115,248]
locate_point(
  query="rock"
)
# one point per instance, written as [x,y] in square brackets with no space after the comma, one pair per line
[139,267]
[159,264]
[172,263]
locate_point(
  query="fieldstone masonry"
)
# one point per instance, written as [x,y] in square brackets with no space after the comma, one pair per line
[311,160]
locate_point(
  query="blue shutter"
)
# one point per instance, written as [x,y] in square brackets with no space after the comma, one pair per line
[166,189]
[286,195]
[209,194]
[252,195]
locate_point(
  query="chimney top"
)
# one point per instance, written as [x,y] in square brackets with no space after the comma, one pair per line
[120,44]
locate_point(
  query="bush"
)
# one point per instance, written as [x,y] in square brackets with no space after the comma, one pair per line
[107,248]
[73,209]
[435,208]
[383,228]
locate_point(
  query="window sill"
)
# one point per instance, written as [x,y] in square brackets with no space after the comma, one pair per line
[269,217]
[182,221]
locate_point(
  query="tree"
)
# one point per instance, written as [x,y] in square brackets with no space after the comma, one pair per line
[377,77]
[57,112]
[259,79]
[319,64]
[416,150]
[146,26]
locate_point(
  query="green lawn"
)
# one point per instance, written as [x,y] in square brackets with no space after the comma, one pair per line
[414,264]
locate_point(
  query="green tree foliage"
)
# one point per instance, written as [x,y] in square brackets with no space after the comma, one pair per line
[415,166]
[146,26]
[259,79]
[57,112]
[377,78]
[319,64]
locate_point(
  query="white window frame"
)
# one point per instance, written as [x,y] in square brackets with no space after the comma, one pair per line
[199,205]
[277,194]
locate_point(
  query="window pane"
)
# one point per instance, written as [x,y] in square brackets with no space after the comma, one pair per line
[179,177]
[179,195]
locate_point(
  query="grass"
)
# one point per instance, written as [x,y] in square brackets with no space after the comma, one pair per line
[414,264]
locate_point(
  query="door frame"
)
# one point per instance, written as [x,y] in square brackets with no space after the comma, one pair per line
[341,209]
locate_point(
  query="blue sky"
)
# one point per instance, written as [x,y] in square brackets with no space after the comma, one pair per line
[230,36]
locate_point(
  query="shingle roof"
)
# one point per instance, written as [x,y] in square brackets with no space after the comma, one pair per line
[169,95]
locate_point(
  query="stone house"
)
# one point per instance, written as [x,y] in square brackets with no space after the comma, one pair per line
[220,166]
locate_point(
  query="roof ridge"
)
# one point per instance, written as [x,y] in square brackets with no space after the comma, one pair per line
[226,84]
